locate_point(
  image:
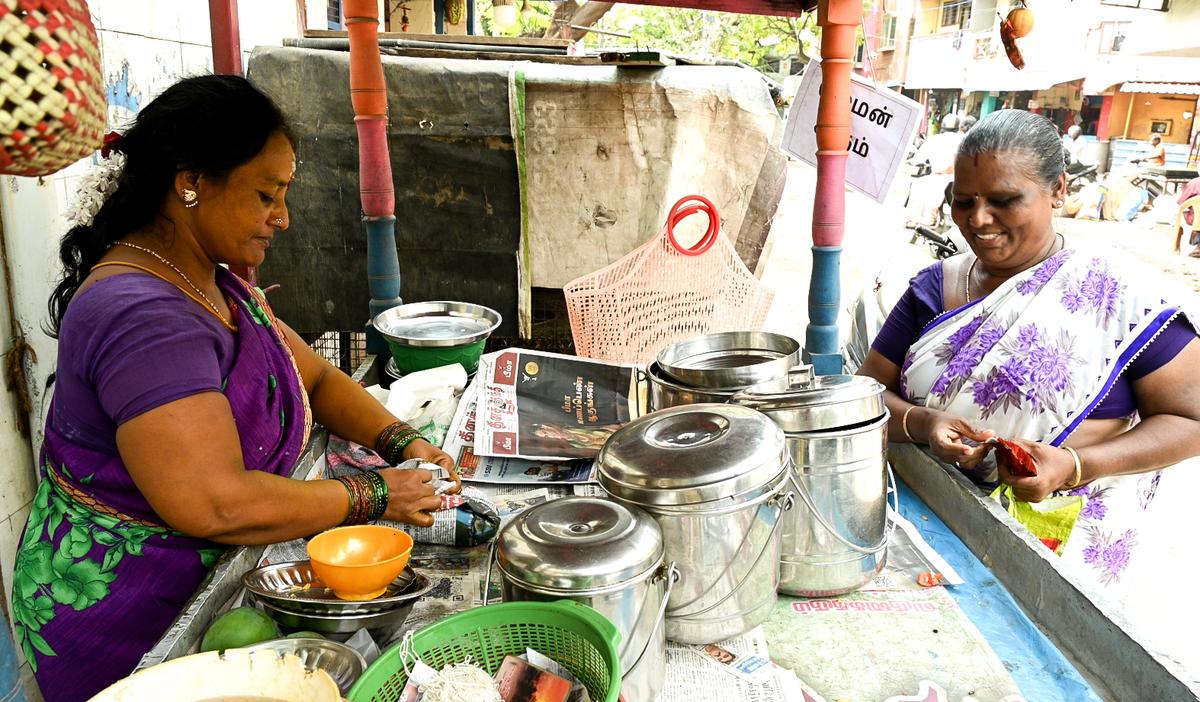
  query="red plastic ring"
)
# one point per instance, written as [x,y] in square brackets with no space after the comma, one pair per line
[687,206]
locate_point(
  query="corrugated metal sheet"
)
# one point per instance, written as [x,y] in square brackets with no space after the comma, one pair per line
[1162,88]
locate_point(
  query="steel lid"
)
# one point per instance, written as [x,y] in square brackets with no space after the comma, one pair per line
[692,454]
[819,403]
[579,544]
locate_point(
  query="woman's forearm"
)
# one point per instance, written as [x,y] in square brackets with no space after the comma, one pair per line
[1155,442]
[261,508]
[899,430]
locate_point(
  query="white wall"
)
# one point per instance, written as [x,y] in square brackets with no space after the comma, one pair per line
[145,46]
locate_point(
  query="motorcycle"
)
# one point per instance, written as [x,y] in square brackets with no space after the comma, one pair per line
[1080,175]
[943,244]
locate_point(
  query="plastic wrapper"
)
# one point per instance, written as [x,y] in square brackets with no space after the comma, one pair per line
[466,519]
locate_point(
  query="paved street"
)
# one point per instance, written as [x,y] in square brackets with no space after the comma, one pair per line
[876,240]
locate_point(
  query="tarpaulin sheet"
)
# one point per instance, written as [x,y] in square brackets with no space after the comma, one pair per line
[1041,671]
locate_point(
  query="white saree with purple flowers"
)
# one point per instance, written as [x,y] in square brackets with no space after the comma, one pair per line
[1032,360]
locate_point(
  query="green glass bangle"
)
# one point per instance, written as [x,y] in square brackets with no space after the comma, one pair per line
[379,496]
[395,450]
[357,502]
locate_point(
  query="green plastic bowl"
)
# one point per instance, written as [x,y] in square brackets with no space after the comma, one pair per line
[424,335]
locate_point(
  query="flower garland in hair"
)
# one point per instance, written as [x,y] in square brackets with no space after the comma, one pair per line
[99,184]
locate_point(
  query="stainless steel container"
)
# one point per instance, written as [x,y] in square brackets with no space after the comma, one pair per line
[665,391]
[835,541]
[606,555]
[729,359]
[713,477]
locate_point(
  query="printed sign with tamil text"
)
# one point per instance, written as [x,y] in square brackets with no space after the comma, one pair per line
[882,125]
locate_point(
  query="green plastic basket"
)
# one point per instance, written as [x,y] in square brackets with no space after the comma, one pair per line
[573,634]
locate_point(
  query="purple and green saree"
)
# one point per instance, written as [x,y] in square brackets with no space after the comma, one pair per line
[99,576]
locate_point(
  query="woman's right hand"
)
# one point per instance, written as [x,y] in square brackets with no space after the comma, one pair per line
[945,433]
[410,496]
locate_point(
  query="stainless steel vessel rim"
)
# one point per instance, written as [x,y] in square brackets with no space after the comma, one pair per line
[441,308]
[381,614]
[766,490]
[772,350]
[838,432]
[858,388]
[582,592]
[658,375]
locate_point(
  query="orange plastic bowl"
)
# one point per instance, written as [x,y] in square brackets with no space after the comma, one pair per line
[358,562]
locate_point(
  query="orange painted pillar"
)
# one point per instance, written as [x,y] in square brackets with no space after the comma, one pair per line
[838,19]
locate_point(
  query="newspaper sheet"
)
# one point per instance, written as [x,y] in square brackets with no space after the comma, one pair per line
[693,677]
[548,406]
[460,444]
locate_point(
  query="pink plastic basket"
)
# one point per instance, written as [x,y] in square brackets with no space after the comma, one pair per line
[661,293]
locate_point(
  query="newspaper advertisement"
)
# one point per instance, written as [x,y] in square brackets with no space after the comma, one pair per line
[696,677]
[460,444]
[548,406]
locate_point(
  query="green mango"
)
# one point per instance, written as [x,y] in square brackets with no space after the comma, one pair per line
[239,627]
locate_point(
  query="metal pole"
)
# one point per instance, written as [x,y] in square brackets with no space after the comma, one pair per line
[838,19]
[227,60]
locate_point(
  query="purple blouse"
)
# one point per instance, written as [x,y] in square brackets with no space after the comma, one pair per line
[923,301]
[111,370]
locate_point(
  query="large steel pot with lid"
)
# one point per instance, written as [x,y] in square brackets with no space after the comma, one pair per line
[606,555]
[714,477]
[835,541]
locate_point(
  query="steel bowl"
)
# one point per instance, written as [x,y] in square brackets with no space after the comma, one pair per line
[441,324]
[729,359]
[388,620]
[293,587]
[343,663]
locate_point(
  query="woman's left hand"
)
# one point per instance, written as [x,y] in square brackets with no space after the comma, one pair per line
[427,452]
[1055,468]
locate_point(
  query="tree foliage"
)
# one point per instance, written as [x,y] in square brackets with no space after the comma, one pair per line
[751,39]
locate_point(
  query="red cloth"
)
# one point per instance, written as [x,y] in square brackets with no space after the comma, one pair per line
[1192,189]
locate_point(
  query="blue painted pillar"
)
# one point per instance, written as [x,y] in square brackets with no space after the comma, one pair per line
[821,341]
[383,274]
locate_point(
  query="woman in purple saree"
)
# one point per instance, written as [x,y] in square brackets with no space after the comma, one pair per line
[1065,350]
[181,403]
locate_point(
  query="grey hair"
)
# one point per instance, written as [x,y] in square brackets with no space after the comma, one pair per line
[1007,131]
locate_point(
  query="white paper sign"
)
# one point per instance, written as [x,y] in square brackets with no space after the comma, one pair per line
[882,125]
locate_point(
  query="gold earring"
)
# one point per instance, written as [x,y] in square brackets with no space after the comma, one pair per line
[190,199]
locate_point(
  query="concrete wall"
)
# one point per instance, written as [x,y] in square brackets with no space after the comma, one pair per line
[1142,108]
[145,47]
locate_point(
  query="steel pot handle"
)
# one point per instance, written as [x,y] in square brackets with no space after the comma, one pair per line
[672,576]
[487,578]
[887,536]
[785,504]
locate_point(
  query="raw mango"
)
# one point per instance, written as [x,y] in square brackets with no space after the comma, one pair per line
[239,627]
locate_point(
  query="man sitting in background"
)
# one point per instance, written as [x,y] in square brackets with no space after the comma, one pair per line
[1156,157]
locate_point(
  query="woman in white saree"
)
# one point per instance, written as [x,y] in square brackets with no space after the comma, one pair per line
[1036,339]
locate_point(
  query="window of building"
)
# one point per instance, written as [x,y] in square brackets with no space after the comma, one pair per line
[860,53]
[333,14]
[955,13]
[1160,5]
[888,38]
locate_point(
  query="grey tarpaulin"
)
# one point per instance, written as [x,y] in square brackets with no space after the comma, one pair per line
[607,151]
[457,194]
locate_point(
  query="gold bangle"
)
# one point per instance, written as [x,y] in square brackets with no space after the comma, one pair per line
[904,424]
[1078,469]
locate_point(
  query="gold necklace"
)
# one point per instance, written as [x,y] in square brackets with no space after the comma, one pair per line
[212,305]
[971,268]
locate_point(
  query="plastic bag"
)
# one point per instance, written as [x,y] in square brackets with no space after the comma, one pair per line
[1050,520]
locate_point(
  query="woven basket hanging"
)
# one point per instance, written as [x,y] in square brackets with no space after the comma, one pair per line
[52,105]
[661,293]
